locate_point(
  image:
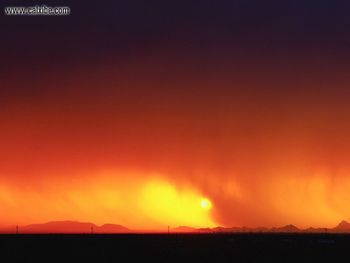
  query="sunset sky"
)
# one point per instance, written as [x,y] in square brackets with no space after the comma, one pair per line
[157,113]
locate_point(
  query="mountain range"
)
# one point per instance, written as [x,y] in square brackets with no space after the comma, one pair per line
[69,227]
[342,227]
[75,227]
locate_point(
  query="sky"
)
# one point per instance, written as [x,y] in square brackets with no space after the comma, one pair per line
[157,113]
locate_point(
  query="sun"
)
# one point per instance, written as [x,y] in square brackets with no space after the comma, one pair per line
[205,203]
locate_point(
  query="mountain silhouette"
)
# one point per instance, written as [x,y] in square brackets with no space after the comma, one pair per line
[71,227]
[58,227]
[288,228]
[75,227]
[111,228]
[343,226]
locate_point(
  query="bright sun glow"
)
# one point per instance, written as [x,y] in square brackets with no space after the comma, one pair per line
[205,203]
[171,206]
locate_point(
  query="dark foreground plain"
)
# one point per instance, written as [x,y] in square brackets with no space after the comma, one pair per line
[176,248]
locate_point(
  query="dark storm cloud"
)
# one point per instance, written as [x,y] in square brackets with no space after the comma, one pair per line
[109,32]
[120,30]
[117,27]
